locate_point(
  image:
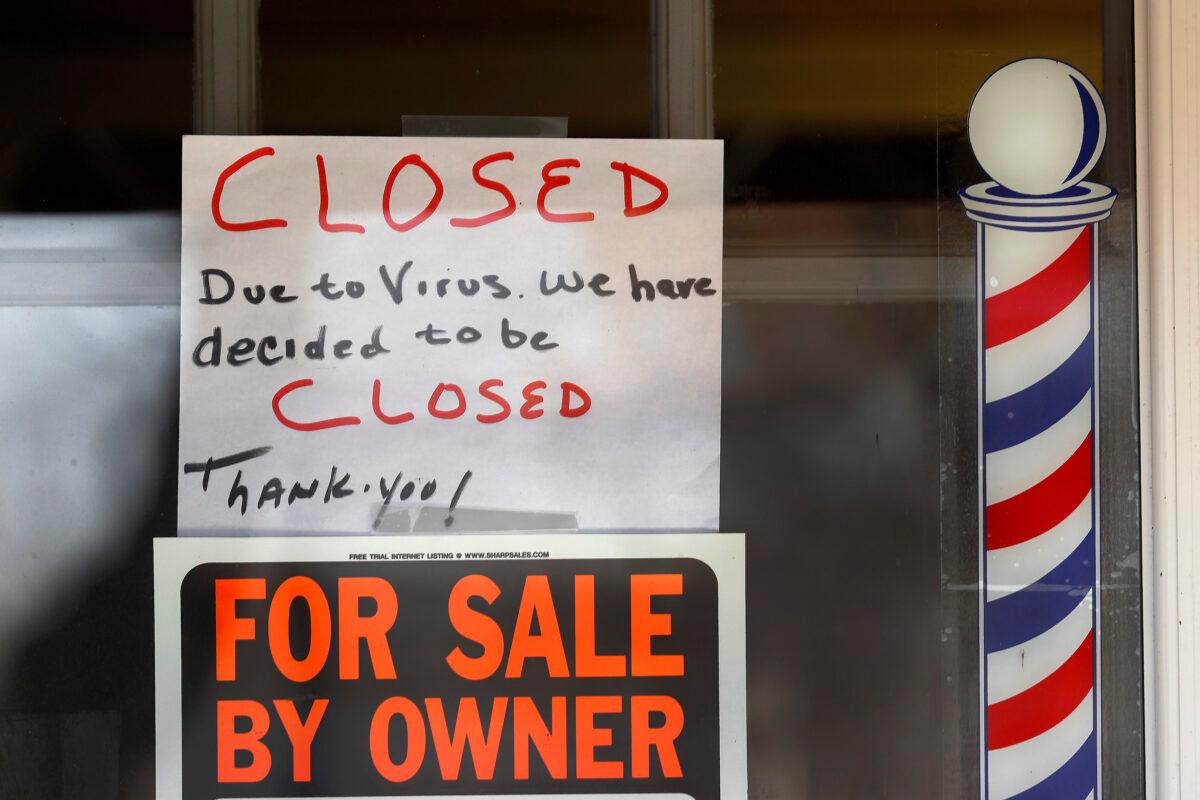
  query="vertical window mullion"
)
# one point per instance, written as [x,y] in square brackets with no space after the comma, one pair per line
[226,95]
[681,69]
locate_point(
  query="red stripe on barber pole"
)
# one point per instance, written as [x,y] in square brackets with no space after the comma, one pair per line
[1044,705]
[1042,506]
[1029,304]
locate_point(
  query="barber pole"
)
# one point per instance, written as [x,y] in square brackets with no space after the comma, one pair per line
[1037,126]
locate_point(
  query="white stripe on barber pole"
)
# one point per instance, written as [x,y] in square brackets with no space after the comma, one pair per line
[1011,569]
[1022,666]
[1022,362]
[1012,770]
[1014,256]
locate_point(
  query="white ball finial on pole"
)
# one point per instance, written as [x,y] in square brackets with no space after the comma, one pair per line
[1037,126]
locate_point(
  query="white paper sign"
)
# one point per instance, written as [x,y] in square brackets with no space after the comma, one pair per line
[474,324]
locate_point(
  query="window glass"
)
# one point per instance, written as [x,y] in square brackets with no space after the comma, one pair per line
[849,390]
[96,98]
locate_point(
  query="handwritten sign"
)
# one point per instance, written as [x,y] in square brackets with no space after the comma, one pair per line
[475,666]
[487,324]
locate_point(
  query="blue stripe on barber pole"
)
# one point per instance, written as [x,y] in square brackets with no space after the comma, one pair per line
[1038,607]
[1021,416]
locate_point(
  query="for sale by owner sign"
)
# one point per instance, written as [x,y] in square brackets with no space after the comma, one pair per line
[467,666]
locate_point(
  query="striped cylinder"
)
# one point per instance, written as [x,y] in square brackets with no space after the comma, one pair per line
[1039,528]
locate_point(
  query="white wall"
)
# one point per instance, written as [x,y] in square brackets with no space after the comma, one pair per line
[1167,52]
